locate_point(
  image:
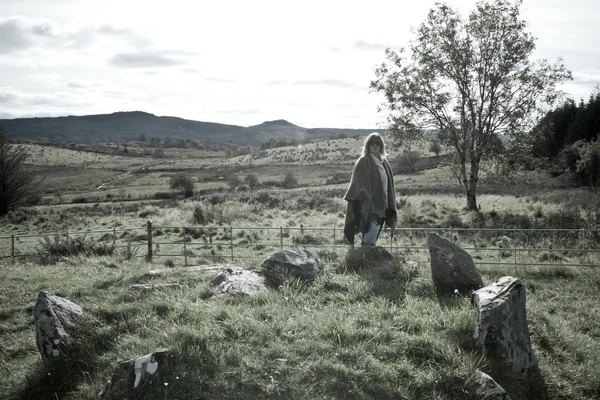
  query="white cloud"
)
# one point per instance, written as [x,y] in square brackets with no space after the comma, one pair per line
[586,79]
[326,82]
[143,60]
[366,46]
[53,78]
[19,33]
[236,61]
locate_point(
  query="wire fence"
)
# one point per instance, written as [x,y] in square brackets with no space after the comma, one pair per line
[197,244]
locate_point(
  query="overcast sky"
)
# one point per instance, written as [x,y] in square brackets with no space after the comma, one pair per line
[239,62]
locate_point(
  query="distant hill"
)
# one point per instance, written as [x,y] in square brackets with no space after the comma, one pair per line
[121,127]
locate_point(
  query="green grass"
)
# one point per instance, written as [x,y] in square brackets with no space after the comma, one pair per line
[354,332]
[380,333]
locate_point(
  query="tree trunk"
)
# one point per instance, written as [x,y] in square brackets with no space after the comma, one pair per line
[471,186]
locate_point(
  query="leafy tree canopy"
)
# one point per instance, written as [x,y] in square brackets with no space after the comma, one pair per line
[471,78]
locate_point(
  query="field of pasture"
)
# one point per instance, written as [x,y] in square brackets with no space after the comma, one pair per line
[347,335]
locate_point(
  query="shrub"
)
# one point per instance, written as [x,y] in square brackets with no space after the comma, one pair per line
[435,147]
[569,218]
[267,199]
[453,220]
[54,250]
[289,180]
[164,195]
[588,166]
[338,177]
[318,203]
[183,182]
[252,181]
[233,181]
[129,252]
[199,215]
[147,213]
[410,159]
[309,239]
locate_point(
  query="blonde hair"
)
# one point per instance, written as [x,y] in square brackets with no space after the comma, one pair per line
[373,136]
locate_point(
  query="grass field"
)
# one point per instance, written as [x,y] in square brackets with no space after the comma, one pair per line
[373,334]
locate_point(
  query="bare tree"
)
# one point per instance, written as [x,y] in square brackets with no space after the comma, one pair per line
[18,182]
[472,79]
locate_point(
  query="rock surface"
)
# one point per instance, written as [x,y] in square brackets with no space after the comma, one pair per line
[502,323]
[452,268]
[236,281]
[298,262]
[132,379]
[55,320]
[489,388]
[151,288]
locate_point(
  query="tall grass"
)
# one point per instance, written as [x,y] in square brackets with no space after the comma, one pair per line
[379,332]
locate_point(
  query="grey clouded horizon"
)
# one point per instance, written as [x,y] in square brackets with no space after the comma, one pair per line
[237,62]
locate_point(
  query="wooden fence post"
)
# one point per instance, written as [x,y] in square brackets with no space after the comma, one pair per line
[149,255]
[185,236]
[281,237]
[12,248]
[231,240]
[514,244]
[334,238]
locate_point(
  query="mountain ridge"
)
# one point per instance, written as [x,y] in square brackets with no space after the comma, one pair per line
[123,126]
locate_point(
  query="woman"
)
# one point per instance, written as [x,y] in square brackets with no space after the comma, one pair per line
[371,195]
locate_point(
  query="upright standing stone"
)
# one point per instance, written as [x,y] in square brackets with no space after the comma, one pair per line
[452,268]
[55,318]
[502,323]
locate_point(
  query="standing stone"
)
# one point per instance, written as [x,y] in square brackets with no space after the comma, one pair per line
[55,319]
[502,323]
[452,268]
[132,379]
[299,262]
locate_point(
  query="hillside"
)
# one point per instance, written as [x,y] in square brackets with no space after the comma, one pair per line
[125,126]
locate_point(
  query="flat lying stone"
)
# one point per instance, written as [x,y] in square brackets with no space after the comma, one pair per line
[150,288]
[238,281]
[196,268]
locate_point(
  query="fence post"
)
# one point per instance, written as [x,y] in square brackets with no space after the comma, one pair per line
[149,255]
[185,247]
[114,237]
[585,246]
[231,240]
[451,234]
[12,248]
[515,249]
[334,238]
[281,237]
